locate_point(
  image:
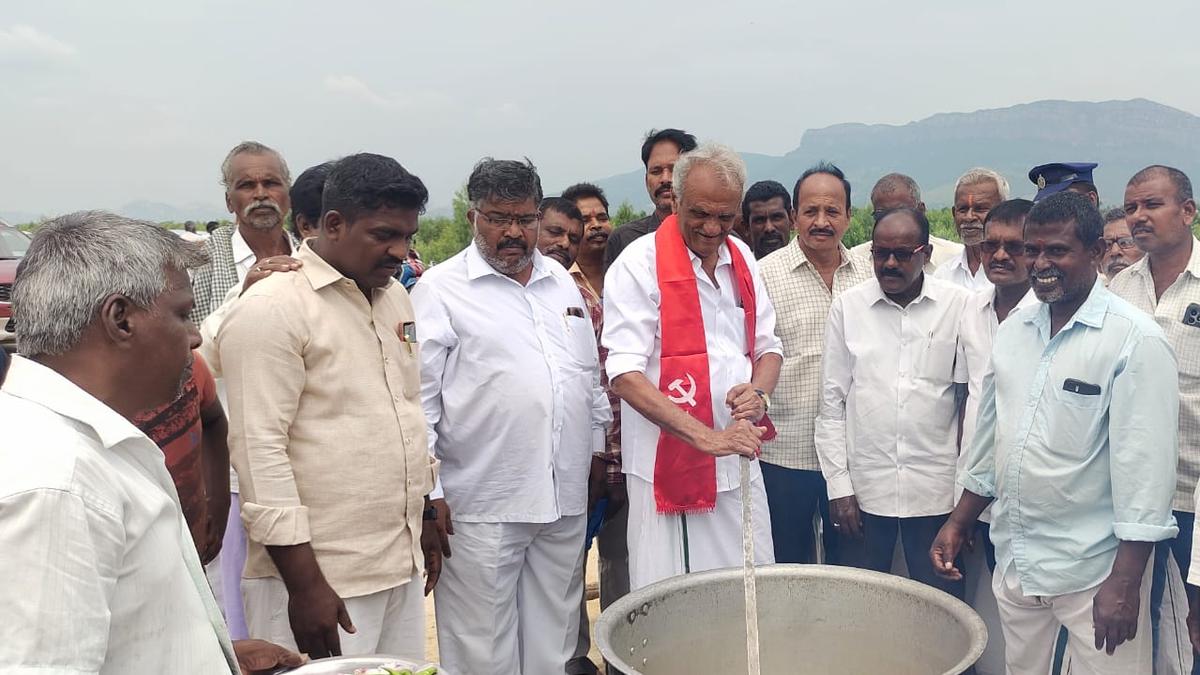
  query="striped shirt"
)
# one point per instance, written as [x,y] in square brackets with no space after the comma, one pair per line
[801,301]
[1178,304]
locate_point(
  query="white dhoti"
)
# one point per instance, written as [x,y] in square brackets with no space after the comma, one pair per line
[660,548]
[389,622]
[508,598]
[1031,624]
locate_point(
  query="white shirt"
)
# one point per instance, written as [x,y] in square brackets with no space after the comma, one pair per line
[510,384]
[633,336]
[887,432]
[957,271]
[243,257]
[976,330]
[99,571]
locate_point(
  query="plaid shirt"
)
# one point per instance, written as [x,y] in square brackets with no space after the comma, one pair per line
[612,446]
[802,302]
[1135,285]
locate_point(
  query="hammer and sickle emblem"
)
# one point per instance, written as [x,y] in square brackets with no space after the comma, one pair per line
[685,395]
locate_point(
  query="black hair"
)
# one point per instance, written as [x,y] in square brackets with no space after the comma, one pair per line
[1069,207]
[583,191]
[504,179]
[1012,211]
[306,193]
[825,168]
[211,225]
[366,182]
[916,215]
[764,191]
[562,205]
[682,140]
[1183,186]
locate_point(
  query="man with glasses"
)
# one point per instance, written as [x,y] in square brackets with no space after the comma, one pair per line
[1120,248]
[1159,211]
[887,430]
[975,193]
[515,410]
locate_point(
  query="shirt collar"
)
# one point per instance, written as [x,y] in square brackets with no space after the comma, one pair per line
[241,250]
[1193,266]
[929,289]
[27,379]
[478,268]
[319,272]
[797,256]
[1090,313]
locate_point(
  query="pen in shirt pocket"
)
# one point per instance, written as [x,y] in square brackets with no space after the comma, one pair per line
[408,335]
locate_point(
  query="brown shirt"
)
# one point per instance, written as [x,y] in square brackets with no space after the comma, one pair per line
[326,428]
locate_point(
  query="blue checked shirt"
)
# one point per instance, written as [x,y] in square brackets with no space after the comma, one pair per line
[1077,441]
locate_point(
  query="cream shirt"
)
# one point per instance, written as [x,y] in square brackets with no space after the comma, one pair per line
[99,572]
[325,429]
[887,431]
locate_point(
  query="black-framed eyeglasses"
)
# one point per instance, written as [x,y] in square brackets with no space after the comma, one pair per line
[505,220]
[1124,243]
[1014,249]
[902,255]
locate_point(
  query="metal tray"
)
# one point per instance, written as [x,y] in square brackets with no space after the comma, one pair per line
[347,664]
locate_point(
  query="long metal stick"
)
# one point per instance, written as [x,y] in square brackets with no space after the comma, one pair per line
[752,656]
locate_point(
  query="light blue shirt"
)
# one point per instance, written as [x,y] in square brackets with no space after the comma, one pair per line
[1077,441]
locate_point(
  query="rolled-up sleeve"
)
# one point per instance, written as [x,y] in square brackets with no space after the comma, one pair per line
[261,348]
[630,317]
[59,573]
[978,472]
[830,432]
[438,340]
[1143,429]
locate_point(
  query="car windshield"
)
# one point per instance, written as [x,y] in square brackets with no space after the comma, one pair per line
[13,243]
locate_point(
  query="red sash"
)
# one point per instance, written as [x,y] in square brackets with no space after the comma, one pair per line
[685,479]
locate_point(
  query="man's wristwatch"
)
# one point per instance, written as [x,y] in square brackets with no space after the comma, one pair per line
[766,399]
[430,512]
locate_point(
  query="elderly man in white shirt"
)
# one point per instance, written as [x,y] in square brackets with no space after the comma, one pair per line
[887,430]
[510,383]
[694,357]
[975,193]
[100,573]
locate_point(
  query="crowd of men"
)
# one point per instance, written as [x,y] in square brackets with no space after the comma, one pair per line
[265,437]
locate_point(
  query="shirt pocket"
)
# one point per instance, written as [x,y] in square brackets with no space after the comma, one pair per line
[1074,421]
[936,362]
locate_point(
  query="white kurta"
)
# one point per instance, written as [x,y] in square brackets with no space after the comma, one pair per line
[633,336]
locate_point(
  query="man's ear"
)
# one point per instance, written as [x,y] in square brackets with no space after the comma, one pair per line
[334,224]
[116,319]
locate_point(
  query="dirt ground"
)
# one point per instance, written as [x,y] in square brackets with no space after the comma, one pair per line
[431,648]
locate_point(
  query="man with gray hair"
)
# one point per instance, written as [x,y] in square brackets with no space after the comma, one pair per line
[514,408]
[256,181]
[896,191]
[975,193]
[694,358]
[100,572]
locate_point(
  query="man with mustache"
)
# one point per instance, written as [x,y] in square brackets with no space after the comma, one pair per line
[1075,449]
[327,431]
[561,231]
[694,358]
[887,430]
[256,181]
[802,279]
[515,411]
[660,152]
[100,574]
[894,191]
[767,213]
[597,227]
[1121,249]
[1159,211]
[975,193]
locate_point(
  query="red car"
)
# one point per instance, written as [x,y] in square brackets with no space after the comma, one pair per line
[13,244]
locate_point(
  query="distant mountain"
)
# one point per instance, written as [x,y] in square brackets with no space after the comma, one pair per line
[1123,136]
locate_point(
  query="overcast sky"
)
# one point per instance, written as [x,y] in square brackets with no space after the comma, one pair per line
[103,103]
